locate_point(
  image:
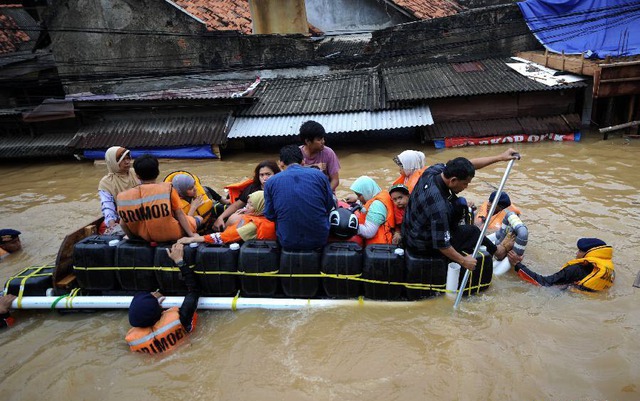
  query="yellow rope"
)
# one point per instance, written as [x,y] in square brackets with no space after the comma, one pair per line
[277,274]
[34,273]
[234,302]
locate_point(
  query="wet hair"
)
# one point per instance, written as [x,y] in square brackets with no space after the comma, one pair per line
[270,164]
[311,130]
[460,168]
[290,154]
[146,167]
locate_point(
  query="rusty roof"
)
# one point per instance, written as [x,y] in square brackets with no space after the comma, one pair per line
[11,37]
[440,80]
[427,9]
[154,132]
[220,15]
[561,124]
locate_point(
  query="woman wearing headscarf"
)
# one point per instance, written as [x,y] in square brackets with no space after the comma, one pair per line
[376,219]
[412,164]
[120,177]
[252,225]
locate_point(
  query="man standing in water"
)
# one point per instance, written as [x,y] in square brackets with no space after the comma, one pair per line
[298,200]
[430,226]
[155,331]
[316,154]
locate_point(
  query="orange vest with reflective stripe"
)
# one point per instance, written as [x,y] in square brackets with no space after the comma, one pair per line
[163,336]
[236,189]
[411,180]
[265,229]
[384,235]
[146,211]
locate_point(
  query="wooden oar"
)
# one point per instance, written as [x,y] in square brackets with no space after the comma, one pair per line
[484,228]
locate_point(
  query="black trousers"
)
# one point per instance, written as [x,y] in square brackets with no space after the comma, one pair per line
[465,237]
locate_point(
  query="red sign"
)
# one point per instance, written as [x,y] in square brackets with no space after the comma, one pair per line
[495,140]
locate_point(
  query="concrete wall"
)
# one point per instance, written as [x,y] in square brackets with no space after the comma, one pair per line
[481,33]
[115,38]
[278,16]
[332,16]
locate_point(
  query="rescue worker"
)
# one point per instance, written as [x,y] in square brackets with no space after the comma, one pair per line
[155,331]
[9,242]
[591,270]
[153,211]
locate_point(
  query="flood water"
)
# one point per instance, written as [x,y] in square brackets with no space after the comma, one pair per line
[513,342]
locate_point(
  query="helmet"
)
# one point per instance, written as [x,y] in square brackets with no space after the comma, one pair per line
[344,224]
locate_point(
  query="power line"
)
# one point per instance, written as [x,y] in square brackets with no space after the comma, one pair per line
[114,65]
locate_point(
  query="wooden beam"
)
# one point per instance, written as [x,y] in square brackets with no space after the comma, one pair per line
[65,282]
[619,127]
[613,80]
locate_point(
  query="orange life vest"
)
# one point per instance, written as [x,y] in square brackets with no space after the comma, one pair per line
[265,229]
[236,189]
[163,336]
[146,211]
[384,235]
[496,220]
[398,214]
[410,181]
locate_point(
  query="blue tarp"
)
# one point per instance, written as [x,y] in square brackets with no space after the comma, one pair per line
[183,152]
[595,28]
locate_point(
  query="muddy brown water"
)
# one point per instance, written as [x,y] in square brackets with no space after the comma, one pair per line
[513,342]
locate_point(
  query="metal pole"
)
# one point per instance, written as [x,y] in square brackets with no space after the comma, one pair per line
[484,228]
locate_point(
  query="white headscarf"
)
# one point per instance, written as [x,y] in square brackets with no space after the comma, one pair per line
[412,160]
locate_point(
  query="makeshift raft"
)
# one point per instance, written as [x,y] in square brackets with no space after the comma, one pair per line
[97,272]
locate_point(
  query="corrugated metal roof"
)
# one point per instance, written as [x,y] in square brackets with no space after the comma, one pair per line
[218,90]
[245,127]
[26,146]
[154,132]
[50,109]
[339,46]
[440,80]
[507,126]
[10,112]
[353,91]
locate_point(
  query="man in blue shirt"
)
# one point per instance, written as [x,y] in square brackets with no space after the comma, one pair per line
[298,200]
